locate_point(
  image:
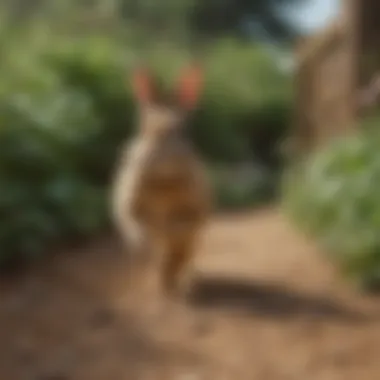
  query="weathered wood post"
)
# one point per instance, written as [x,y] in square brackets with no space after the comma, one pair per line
[326,81]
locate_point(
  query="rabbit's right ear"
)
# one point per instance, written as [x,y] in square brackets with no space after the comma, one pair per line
[143,86]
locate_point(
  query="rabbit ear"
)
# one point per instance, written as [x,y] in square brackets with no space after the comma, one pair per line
[143,85]
[189,88]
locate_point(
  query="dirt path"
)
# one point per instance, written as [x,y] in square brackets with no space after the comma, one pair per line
[265,307]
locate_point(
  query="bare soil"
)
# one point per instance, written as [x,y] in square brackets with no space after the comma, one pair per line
[265,306]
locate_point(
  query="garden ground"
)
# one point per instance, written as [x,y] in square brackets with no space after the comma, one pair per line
[265,306]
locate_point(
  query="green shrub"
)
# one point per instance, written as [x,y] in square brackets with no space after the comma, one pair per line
[246,104]
[334,197]
[45,192]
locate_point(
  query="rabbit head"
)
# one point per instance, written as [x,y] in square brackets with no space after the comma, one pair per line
[159,117]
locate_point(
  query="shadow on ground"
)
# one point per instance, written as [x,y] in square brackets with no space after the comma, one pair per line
[265,299]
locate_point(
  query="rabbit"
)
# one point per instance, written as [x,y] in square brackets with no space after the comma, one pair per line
[162,199]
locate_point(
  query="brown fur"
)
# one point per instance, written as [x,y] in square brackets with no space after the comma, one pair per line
[161,198]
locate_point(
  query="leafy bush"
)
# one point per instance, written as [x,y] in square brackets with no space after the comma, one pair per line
[246,105]
[45,193]
[65,107]
[334,197]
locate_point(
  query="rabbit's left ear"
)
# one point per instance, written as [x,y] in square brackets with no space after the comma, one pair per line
[189,87]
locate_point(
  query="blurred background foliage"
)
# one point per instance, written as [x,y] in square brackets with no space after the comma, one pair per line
[66,105]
